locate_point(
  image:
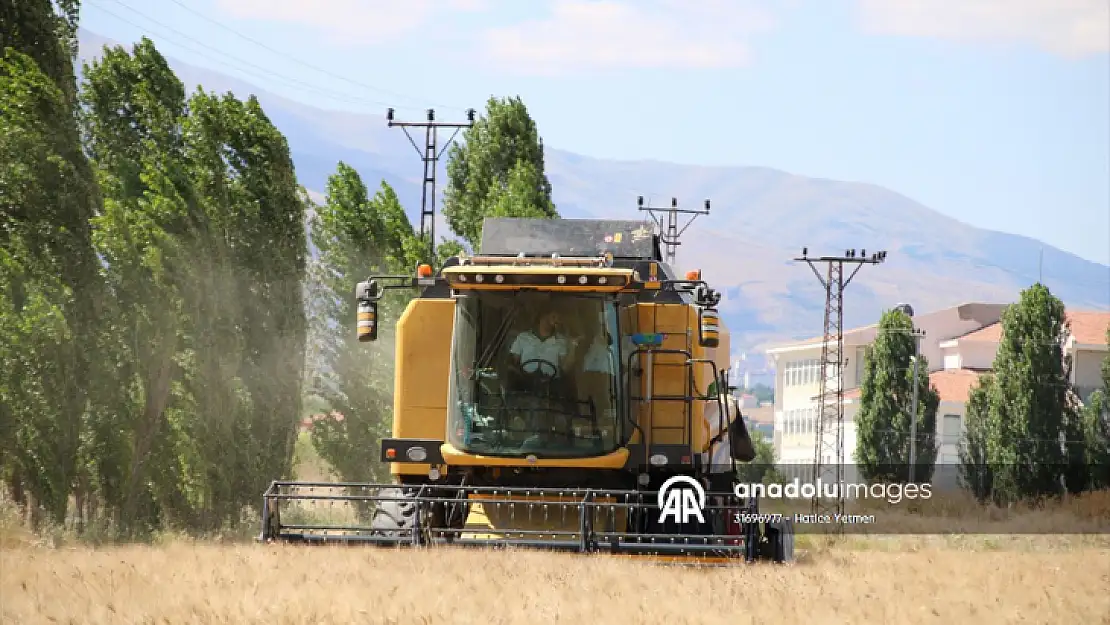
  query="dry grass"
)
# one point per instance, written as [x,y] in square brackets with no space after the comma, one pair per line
[194,583]
[990,575]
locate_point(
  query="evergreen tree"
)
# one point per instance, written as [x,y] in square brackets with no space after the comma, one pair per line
[975,473]
[883,421]
[134,108]
[497,170]
[357,236]
[1032,410]
[49,303]
[1096,428]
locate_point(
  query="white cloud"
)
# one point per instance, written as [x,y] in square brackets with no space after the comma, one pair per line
[582,35]
[1068,28]
[351,22]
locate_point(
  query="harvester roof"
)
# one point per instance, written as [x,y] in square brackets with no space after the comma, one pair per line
[624,239]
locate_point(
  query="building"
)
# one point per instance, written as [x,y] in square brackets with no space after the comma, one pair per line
[747,400]
[967,357]
[760,419]
[960,344]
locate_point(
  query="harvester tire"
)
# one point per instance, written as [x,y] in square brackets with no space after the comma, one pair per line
[779,537]
[394,519]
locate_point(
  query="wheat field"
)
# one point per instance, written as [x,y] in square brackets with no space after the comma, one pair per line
[903,580]
[1001,568]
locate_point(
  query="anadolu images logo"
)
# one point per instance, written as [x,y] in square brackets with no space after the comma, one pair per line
[679,502]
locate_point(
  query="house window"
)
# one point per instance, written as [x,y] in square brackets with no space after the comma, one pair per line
[861,359]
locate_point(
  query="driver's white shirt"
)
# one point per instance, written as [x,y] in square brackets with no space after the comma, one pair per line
[528,346]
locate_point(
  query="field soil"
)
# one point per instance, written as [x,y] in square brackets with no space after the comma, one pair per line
[899,581]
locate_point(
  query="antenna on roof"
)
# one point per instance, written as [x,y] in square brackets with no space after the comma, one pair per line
[672,234]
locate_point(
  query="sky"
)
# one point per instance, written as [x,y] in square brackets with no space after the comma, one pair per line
[995,112]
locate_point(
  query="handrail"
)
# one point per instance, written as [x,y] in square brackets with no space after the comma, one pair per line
[570,261]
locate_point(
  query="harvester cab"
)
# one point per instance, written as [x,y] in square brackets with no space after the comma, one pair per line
[562,389]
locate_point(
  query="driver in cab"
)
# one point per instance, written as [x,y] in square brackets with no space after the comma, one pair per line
[545,351]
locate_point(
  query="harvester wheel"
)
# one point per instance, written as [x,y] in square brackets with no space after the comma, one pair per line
[779,545]
[394,518]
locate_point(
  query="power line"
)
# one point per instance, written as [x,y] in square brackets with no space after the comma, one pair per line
[229,58]
[301,62]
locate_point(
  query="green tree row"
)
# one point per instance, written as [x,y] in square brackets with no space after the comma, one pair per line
[1028,435]
[160,317]
[151,314]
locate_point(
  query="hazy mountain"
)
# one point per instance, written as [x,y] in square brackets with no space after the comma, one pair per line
[760,219]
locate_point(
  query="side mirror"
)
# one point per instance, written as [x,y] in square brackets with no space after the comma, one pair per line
[367,294]
[708,328]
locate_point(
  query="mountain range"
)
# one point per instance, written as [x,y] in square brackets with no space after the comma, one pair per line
[760,220]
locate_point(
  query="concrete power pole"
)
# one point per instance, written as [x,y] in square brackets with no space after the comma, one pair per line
[917,336]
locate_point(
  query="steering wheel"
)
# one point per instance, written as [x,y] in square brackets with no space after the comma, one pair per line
[541,365]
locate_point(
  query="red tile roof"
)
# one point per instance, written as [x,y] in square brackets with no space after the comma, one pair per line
[1089,327]
[951,384]
[954,384]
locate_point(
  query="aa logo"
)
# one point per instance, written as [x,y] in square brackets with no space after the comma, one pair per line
[681,498]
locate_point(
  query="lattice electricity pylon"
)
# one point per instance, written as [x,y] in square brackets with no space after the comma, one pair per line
[828,452]
[669,238]
[430,156]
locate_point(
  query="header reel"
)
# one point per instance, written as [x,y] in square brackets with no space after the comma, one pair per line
[577,520]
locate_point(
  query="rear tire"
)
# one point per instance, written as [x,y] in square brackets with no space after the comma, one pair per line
[780,541]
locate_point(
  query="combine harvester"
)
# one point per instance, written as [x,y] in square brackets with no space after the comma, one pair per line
[616,436]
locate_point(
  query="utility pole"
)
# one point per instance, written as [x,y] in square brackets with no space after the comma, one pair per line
[917,336]
[430,157]
[670,237]
[830,415]
[913,409]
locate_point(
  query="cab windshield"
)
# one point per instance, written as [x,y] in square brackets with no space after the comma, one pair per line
[535,373]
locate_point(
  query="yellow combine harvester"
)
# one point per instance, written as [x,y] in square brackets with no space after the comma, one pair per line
[561,389]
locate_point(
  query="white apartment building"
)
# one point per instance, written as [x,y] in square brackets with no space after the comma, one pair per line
[960,344]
